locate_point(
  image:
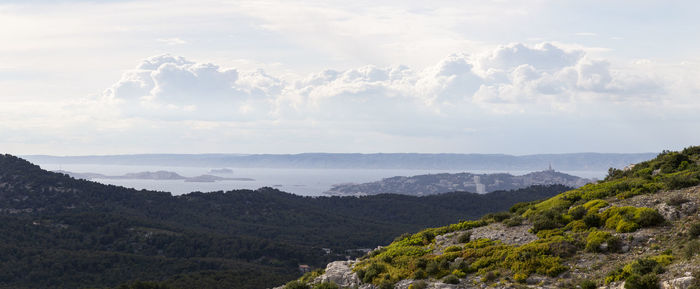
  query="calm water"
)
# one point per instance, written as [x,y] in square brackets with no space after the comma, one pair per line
[306,182]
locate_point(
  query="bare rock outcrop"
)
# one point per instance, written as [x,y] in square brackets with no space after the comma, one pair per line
[340,273]
[678,283]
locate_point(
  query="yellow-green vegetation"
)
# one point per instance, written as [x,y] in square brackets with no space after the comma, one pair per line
[596,238]
[310,276]
[641,273]
[581,219]
[412,258]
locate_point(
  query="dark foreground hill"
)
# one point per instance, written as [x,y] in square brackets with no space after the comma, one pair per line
[59,232]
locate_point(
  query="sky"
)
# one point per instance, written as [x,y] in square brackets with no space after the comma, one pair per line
[514,77]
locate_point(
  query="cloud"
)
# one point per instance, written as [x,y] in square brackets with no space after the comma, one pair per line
[513,79]
[170,87]
[172,41]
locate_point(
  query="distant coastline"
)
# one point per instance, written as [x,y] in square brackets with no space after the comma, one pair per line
[157,175]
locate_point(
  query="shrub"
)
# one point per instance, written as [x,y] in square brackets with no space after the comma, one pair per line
[595,205]
[562,249]
[520,277]
[595,239]
[578,212]
[638,268]
[296,285]
[402,237]
[372,271]
[629,219]
[576,226]
[387,259]
[326,285]
[490,276]
[432,268]
[664,259]
[592,221]
[497,217]
[647,281]
[465,237]
[521,208]
[310,276]
[694,230]
[691,248]
[681,180]
[419,274]
[587,284]
[450,279]
[624,226]
[647,217]
[546,221]
[513,221]
[386,284]
[427,237]
[453,248]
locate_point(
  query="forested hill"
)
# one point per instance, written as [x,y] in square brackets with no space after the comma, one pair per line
[56,231]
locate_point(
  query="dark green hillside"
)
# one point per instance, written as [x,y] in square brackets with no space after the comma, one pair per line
[58,232]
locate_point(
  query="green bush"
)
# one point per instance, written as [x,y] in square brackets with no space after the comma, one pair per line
[578,212]
[624,226]
[371,272]
[592,220]
[647,281]
[450,279]
[647,217]
[490,276]
[419,274]
[638,268]
[427,236]
[588,284]
[326,285]
[513,221]
[386,284]
[296,285]
[453,248]
[691,248]
[595,239]
[465,237]
[547,220]
[497,217]
[694,230]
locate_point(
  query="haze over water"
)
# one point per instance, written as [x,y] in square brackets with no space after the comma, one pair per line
[305,182]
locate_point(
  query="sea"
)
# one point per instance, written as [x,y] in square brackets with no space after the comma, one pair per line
[299,181]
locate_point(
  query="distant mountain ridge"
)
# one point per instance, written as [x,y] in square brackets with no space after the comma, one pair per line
[565,162]
[422,185]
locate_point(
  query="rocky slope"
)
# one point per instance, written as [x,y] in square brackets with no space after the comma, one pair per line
[639,228]
[422,185]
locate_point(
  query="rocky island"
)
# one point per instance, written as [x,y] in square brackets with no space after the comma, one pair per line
[422,185]
[157,175]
